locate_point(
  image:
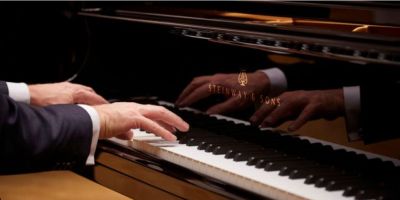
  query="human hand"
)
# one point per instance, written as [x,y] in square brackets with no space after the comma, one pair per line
[63,93]
[199,88]
[301,106]
[117,119]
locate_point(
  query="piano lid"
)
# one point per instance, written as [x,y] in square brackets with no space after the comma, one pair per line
[364,32]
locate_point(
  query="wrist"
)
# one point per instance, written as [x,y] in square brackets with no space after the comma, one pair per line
[34,93]
[102,121]
[339,101]
[263,82]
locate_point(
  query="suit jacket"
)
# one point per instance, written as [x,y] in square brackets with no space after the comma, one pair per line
[37,138]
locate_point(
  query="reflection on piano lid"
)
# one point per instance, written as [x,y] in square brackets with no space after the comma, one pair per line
[369,35]
[270,164]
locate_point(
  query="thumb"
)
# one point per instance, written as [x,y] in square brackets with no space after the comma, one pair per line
[89,98]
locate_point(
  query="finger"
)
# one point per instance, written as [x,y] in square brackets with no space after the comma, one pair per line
[280,113]
[151,126]
[89,98]
[167,126]
[230,105]
[126,136]
[261,113]
[198,94]
[159,113]
[303,118]
[197,82]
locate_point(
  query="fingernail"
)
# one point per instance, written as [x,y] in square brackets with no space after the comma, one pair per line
[253,119]
[187,127]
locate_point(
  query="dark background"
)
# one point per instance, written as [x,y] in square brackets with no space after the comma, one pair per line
[47,42]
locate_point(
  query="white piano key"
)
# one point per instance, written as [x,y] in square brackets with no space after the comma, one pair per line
[268,184]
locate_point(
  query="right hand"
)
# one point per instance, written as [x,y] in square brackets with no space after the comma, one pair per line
[302,106]
[117,119]
[258,82]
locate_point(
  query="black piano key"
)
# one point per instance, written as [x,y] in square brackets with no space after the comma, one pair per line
[193,141]
[179,135]
[377,193]
[212,146]
[324,181]
[304,173]
[197,140]
[194,134]
[233,151]
[244,156]
[225,148]
[287,170]
[345,183]
[253,159]
[351,190]
[215,140]
[386,190]
[314,176]
[262,162]
[278,165]
[202,145]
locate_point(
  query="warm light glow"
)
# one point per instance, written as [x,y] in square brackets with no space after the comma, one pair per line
[260,18]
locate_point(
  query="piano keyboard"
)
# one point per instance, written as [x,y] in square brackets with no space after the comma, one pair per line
[272,165]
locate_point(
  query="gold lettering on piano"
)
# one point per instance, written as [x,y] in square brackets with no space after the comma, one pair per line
[242,78]
[243,95]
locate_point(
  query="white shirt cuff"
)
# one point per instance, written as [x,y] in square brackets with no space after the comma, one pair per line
[19,92]
[94,116]
[278,82]
[352,103]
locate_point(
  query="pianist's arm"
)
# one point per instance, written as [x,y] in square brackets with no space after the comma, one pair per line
[38,138]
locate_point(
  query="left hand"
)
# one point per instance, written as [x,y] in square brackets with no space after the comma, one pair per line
[63,93]
[199,88]
[301,106]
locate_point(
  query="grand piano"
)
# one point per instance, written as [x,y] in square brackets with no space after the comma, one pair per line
[149,51]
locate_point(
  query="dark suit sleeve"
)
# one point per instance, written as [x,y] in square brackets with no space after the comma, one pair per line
[33,138]
[320,76]
[334,74]
[380,111]
[3,88]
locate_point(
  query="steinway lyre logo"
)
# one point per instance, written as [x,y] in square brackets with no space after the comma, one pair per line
[242,78]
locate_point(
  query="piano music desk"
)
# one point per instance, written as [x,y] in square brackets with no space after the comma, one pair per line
[53,185]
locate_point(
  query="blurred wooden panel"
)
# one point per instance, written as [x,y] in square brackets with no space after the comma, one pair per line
[53,185]
[130,186]
[146,175]
[335,131]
